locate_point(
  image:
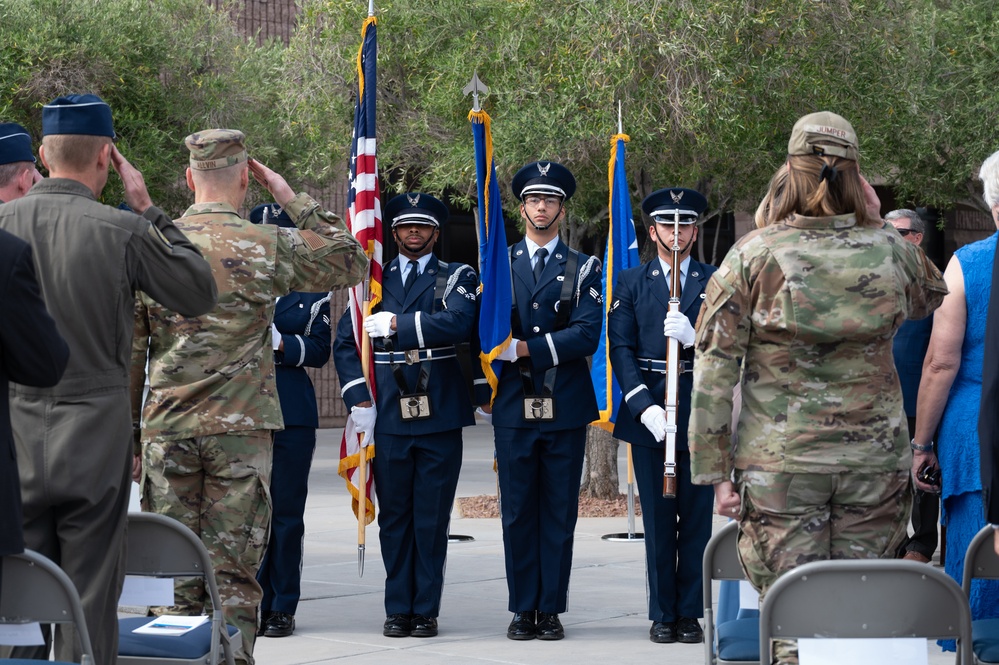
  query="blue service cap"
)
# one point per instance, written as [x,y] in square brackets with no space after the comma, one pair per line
[662,205]
[77,114]
[271,213]
[15,144]
[415,208]
[543,178]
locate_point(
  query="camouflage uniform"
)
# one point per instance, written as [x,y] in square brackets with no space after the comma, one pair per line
[206,448]
[803,314]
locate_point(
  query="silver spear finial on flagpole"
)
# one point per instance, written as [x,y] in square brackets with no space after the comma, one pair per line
[620,127]
[371,7]
[475,86]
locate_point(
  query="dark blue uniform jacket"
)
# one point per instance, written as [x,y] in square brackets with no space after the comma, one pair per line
[419,327]
[635,330]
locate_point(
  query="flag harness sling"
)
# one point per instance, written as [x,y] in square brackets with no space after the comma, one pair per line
[541,408]
[415,404]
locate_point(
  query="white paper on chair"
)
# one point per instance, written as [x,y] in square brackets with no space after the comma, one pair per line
[139,590]
[866,651]
[21,634]
[749,598]
[170,625]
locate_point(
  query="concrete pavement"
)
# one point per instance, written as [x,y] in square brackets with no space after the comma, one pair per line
[340,616]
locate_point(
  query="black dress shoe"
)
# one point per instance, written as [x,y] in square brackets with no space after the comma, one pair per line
[397,625]
[279,624]
[424,626]
[264,616]
[663,632]
[549,627]
[522,627]
[689,631]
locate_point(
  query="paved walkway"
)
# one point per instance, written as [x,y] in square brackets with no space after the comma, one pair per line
[340,616]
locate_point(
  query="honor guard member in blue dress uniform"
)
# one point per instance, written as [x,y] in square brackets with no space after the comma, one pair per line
[638,323]
[301,338]
[544,402]
[427,308]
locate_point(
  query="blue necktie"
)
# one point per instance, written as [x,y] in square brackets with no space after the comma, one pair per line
[414,269]
[539,266]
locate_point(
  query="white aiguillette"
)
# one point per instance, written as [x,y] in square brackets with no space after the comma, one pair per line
[172,626]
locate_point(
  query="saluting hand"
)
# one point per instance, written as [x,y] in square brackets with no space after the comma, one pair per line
[272,182]
[136,194]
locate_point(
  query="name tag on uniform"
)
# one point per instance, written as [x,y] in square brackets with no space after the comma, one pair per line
[539,408]
[415,406]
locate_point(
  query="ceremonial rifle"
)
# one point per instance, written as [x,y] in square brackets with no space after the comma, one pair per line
[672,368]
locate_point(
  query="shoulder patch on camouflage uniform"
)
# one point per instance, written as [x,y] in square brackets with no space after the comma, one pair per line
[158,235]
[313,240]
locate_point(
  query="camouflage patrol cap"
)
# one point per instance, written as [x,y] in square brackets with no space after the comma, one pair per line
[824,133]
[216,149]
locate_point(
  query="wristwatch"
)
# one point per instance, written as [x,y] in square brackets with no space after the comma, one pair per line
[919,448]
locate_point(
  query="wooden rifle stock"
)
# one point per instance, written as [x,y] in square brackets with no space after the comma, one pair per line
[672,370]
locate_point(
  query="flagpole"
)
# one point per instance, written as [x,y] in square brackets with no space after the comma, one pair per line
[362,466]
[367,297]
[631,535]
[362,462]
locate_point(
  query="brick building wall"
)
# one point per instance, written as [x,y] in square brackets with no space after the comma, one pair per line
[264,18]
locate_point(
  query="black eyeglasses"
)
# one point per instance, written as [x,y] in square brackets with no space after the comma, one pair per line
[904,232]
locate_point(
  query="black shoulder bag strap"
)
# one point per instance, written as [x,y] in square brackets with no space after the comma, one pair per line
[562,316]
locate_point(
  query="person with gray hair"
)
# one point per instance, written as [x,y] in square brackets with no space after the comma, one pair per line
[949,399]
[907,219]
[909,350]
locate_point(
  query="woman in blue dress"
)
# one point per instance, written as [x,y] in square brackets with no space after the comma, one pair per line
[949,396]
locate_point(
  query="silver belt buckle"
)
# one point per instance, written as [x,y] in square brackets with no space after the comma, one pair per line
[412,356]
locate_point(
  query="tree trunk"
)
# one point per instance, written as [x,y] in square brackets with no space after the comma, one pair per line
[600,478]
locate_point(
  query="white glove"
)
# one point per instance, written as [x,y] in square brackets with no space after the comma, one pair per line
[275,337]
[379,325]
[488,417]
[654,419]
[678,327]
[364,421]
[509,354]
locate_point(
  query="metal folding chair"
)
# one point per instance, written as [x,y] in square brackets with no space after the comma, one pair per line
[159,546]
[735,641]
[865,598]
[35,589]
[981,561]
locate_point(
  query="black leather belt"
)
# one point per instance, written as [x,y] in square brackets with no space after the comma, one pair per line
[391,357]
[651,365]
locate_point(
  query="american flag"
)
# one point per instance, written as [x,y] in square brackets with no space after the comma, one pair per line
[364,218]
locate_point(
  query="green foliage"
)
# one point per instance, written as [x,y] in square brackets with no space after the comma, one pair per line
[957,103]
[166,67]
[709,88]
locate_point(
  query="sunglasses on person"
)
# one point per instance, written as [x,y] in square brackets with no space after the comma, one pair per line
[904,232]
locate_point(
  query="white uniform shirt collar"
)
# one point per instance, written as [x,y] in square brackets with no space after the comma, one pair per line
[404,264]
[533,247]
